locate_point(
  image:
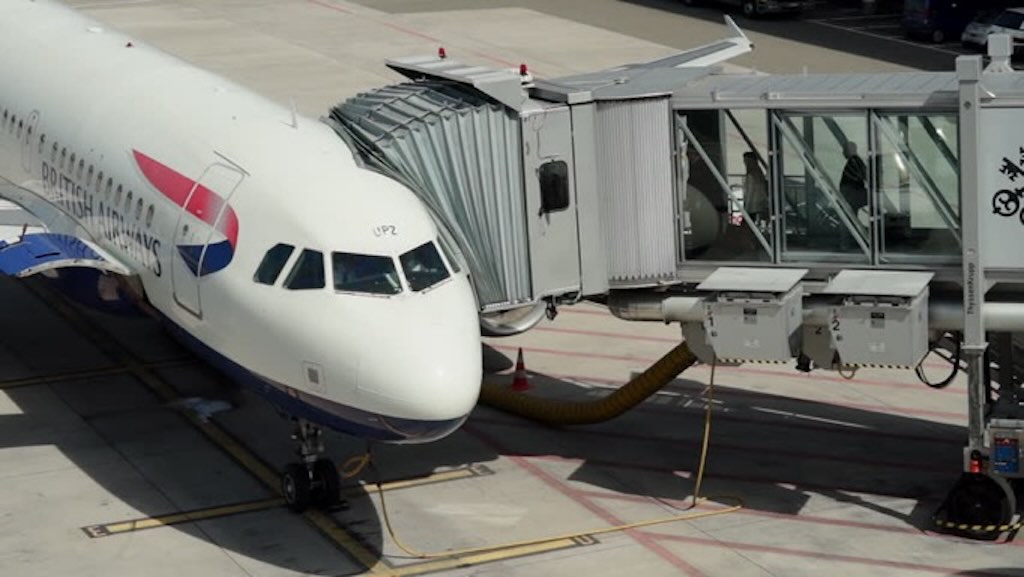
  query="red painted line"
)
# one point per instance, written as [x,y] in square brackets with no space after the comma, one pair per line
[585,311]
[752,479]
[801,455]
[619,336]
[672,341]
[857,560]
[800,518]
[734,393]
[741,369]
[648,542]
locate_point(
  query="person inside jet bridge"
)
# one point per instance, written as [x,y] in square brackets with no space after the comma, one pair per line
[853,182]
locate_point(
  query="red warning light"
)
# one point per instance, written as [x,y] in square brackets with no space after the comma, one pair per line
[441,53]
[974,466]
[523,70]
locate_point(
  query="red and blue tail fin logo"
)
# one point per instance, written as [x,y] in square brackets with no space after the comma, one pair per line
[204,204]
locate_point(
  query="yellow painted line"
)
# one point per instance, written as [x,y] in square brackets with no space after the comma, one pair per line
[330,528]
[326,524]
[488,557]
[89,374]
[143,523]
[464,473]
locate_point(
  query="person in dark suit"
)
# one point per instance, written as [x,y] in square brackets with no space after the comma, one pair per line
[853,183]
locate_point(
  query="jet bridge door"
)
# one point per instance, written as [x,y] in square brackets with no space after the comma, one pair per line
[198,230]
[550,185]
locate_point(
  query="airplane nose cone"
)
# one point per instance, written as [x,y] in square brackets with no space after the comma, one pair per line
[432,373]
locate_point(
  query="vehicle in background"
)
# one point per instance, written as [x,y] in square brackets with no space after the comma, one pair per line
[976,33]
[755,8]
[944,20]
[1011,23]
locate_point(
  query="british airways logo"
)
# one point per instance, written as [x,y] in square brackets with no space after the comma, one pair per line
[203,204]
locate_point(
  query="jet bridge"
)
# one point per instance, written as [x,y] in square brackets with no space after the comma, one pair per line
[841,220]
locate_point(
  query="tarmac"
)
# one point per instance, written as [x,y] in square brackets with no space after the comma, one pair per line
[109,467]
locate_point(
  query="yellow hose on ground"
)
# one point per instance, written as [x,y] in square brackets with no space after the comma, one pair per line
[678,355]
[557,412]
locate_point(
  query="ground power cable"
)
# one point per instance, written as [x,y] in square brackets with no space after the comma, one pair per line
[367,460]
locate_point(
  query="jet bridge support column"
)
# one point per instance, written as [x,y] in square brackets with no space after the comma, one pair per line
[982,503]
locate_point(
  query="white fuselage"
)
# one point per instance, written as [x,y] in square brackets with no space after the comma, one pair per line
[149,157]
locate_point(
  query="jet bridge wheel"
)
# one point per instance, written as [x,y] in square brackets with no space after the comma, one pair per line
[296,487]
[979,507]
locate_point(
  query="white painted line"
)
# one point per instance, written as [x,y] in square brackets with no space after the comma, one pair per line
[889,38]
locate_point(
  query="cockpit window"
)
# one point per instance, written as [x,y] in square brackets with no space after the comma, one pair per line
[308,272]
[273,262]
[364,273]
[423,267]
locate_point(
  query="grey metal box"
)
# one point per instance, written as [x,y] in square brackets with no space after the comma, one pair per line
[754,314]
[882,319]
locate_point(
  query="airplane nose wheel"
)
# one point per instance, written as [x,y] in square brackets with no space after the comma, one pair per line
[314,481]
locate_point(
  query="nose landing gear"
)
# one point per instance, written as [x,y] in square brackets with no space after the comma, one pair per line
[314,481]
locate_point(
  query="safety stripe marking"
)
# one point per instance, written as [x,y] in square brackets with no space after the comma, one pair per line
[979,528]
[91,373]
[756,361]
[143,523]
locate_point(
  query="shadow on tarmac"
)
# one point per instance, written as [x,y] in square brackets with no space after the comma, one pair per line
[774,452]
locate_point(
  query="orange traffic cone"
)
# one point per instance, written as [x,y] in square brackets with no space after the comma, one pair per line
[519,382]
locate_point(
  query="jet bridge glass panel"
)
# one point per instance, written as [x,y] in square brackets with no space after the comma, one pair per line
[917,179]
[824,181]
[725,186]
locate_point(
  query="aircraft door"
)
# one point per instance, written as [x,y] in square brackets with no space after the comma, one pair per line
[29,138]
[551,201]
[200,233]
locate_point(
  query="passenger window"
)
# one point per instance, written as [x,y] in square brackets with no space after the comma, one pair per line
[42,143]
[308,272]
[117,195]
[53,156]
[88,179]
[364,273]
[149,216]
[127,202]
[554,186]
[273,262]
[81,168]
[63,157]
[71,165]
[138,208]
[423,267]
[110,186]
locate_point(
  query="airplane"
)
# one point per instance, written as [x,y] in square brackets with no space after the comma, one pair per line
[251,231]
[255,234]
